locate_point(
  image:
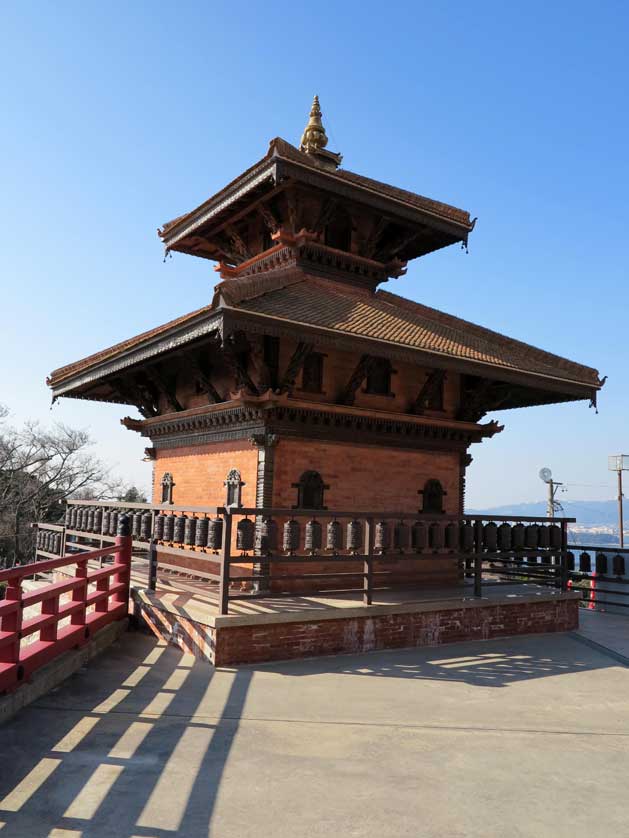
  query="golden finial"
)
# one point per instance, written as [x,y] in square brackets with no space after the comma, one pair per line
[314,137]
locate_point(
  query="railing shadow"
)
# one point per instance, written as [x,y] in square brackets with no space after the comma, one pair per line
[101,755]
[473,663]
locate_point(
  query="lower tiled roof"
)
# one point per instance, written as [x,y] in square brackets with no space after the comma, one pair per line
[393,319]
[311,301]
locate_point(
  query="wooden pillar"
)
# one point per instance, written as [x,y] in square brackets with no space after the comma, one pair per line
[265,443]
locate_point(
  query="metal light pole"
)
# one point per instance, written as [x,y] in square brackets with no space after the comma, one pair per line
[619,463]
[553,486]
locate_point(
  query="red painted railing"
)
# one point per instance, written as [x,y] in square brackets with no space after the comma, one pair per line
[85,603]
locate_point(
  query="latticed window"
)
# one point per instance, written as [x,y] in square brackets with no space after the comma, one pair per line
[310,490]
[379,377]
[433,494]
[167,488]
[312,375]
[234,485]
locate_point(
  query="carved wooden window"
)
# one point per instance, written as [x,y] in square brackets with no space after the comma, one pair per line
[310,489]
[312,375]
[433,494]
[379,378]
[167,488]
[234,486]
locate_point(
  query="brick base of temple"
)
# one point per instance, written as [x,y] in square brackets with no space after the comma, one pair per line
[230,640]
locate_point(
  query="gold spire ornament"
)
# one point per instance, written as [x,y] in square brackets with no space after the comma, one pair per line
[314,137]
[314,140]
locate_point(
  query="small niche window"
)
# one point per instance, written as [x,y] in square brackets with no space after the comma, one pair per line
[234,485]
[167,488]
[433,495]
[310,489]
[312,375]
[379,378]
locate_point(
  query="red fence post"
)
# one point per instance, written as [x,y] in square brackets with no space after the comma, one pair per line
[123,557]
[79,594]
[10,652]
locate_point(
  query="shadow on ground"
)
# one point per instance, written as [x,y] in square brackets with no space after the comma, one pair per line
[137,745]
[482,666]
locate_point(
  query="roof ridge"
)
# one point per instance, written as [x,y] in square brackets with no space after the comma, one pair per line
[480,331]
[241,289]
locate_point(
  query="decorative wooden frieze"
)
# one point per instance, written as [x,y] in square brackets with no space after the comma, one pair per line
[202,374]
[365,364]
[237,243]
[431,393]
[131,392]
[271,222]
[294,366]
[164,387]
[235,349]
[263,423]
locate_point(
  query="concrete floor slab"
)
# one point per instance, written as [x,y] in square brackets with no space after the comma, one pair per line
[518,737]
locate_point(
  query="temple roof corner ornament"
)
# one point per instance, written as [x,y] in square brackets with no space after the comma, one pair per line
[314,139]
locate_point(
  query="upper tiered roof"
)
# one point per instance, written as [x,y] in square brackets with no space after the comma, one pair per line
[302,245]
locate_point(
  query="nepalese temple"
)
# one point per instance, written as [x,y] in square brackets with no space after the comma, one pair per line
[304,383]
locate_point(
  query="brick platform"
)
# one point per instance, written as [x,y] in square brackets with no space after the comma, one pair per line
[341,626]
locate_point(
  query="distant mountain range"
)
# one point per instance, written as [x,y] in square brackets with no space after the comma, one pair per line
[587,512]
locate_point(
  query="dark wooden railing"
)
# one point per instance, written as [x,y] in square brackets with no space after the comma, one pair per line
[270,551]
[601,574]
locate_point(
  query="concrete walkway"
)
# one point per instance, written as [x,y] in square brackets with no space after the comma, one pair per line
[507,738]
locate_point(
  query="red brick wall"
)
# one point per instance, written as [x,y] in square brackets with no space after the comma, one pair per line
[361,477]
[283,641]
[256,643]
[368,478]
[365,477]
[199,472]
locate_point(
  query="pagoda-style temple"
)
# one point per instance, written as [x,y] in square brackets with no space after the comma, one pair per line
[303,383]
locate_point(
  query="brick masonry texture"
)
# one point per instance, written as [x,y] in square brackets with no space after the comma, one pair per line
[361,477]
[199,472]
[261,642]
[366,478]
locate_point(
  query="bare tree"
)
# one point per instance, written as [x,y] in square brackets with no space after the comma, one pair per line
[39,469]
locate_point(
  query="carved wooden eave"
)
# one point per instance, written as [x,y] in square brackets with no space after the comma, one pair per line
[280,170]
[206,326]
[362,195]
[303,252]
[222,320]
[247,416]
[553,388]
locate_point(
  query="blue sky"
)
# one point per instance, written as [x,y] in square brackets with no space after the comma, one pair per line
[118,117]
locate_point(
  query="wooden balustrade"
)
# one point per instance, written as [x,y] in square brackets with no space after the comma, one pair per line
[364,546]
[70,611]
